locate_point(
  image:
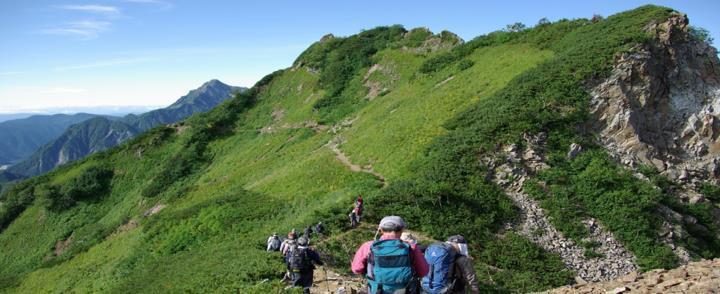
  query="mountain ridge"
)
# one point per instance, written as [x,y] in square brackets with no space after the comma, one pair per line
[453,131]
[98,134]
[20,137]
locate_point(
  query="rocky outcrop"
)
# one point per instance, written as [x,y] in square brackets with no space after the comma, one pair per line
[660,105]
[434,42]
[696,277]
[379,79]
[612,259]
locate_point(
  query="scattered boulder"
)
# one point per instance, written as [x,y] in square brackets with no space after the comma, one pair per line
[695,277]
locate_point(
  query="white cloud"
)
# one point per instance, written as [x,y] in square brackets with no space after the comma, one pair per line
[85,29]
[98,9]
[11,73]
[62,90]
[155,2]
[105,63]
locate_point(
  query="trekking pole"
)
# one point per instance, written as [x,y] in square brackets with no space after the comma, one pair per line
[377,233]
[327,285]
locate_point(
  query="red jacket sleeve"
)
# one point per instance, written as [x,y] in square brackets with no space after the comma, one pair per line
[419,263]
[359,263]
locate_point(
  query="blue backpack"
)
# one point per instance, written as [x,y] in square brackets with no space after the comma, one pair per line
[389,266]
[441,259]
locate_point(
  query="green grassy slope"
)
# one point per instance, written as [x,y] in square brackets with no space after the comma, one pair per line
[255,183]
[262,163]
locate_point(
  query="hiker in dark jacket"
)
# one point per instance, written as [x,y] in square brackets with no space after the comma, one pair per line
[301,262]
[307,232]
[319,228]
[464,269]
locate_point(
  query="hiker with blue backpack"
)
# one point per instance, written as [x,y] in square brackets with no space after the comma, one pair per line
[451,268]
[390,265]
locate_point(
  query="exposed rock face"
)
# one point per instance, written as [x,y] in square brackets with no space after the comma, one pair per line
[382,84]
[660,108]
[696,277]
[442,41]
[661,104]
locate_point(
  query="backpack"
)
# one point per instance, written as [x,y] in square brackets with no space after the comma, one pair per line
[290,245]
[389,266]
[298,260]
[275,244]
[441,259]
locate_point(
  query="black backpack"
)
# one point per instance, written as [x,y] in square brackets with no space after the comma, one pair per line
[298,260]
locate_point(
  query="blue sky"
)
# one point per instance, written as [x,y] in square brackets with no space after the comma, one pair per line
[150,52]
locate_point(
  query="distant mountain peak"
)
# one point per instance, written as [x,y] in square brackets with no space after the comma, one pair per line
[214,88]
[101,133]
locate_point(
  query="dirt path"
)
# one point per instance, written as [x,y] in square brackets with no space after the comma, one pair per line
[334,145]
[330,282]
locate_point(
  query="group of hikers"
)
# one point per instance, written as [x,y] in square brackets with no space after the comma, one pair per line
[392,263]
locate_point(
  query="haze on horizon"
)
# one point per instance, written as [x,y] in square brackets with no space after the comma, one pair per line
[75,54]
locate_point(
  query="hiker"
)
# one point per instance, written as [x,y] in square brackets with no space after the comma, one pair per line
[301,262]
[319,228]
[353,219]
[288,243]
[390,264]
[359,207]
[307,232]
[273,243]
[452,268]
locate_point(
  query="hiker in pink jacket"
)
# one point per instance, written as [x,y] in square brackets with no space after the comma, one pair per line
[395,265]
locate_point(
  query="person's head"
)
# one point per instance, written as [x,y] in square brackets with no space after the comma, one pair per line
[392,225]
[408,238]
[303,241]
[460,244]
[292,235]
[274,234]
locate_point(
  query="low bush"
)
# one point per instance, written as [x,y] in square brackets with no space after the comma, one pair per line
[90,185]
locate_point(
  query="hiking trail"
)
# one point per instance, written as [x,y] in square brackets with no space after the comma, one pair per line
[334,145]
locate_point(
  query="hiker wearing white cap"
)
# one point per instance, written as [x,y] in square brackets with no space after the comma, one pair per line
[389,263]
[273,243]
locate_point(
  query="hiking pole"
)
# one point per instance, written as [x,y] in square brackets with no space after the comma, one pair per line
[377,233]
[327,285]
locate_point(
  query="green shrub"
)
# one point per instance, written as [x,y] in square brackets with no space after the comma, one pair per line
[710,191]
[16,199]
[701,34]
[465,64]
[415,37]
[90,185]
[592,185]
[525,267]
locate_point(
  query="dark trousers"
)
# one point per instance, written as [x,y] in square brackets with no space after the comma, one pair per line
[302,279]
